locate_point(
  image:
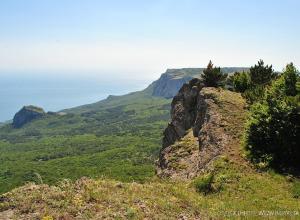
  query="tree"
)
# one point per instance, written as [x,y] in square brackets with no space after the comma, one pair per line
[273,131]
[213,76]
[290,79]
[261,74]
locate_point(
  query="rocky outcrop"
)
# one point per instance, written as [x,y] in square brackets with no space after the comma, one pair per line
[205,123]
[183,112]
[27,114]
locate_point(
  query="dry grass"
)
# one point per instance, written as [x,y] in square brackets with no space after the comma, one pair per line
[108,199]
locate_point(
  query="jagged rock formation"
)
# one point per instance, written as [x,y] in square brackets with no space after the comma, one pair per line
[172,80]
[183,112]
[27,114]
[205,123]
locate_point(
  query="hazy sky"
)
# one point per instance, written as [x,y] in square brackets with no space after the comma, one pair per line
[144,37]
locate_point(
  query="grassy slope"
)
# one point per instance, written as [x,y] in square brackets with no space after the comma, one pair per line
[118,138]
[157,199]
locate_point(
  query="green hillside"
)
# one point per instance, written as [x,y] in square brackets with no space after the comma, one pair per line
[118,137]
[245,194]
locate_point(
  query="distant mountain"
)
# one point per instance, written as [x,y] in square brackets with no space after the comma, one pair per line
[27,114]
[166,86]
[171,81]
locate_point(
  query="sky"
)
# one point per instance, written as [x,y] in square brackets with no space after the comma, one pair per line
[134,38]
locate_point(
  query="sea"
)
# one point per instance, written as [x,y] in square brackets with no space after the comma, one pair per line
[54,92]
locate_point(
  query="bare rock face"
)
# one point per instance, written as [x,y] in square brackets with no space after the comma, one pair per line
[27,114]
[205,123]
[183,112]
[208,127]
[171,81]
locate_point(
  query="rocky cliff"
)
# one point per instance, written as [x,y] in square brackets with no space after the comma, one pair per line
[171,81]
[27,114]
[205,123]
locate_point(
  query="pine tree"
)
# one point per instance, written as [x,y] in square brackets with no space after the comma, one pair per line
[261,74]
[213,76]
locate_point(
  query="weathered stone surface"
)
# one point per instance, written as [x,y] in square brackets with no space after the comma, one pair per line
[183,112]
[27,114]
[200,130]
[208,127]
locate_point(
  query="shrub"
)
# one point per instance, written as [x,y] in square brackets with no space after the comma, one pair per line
[254,94]
[213,76]
[204,184]
[241,81]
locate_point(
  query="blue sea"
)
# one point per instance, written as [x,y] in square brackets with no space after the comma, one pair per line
[55,92]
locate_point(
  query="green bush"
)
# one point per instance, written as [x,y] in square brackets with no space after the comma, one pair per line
[254,94]
[204,184]
[241,81]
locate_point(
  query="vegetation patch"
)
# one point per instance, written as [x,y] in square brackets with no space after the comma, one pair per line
[296,189]
[204,184]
